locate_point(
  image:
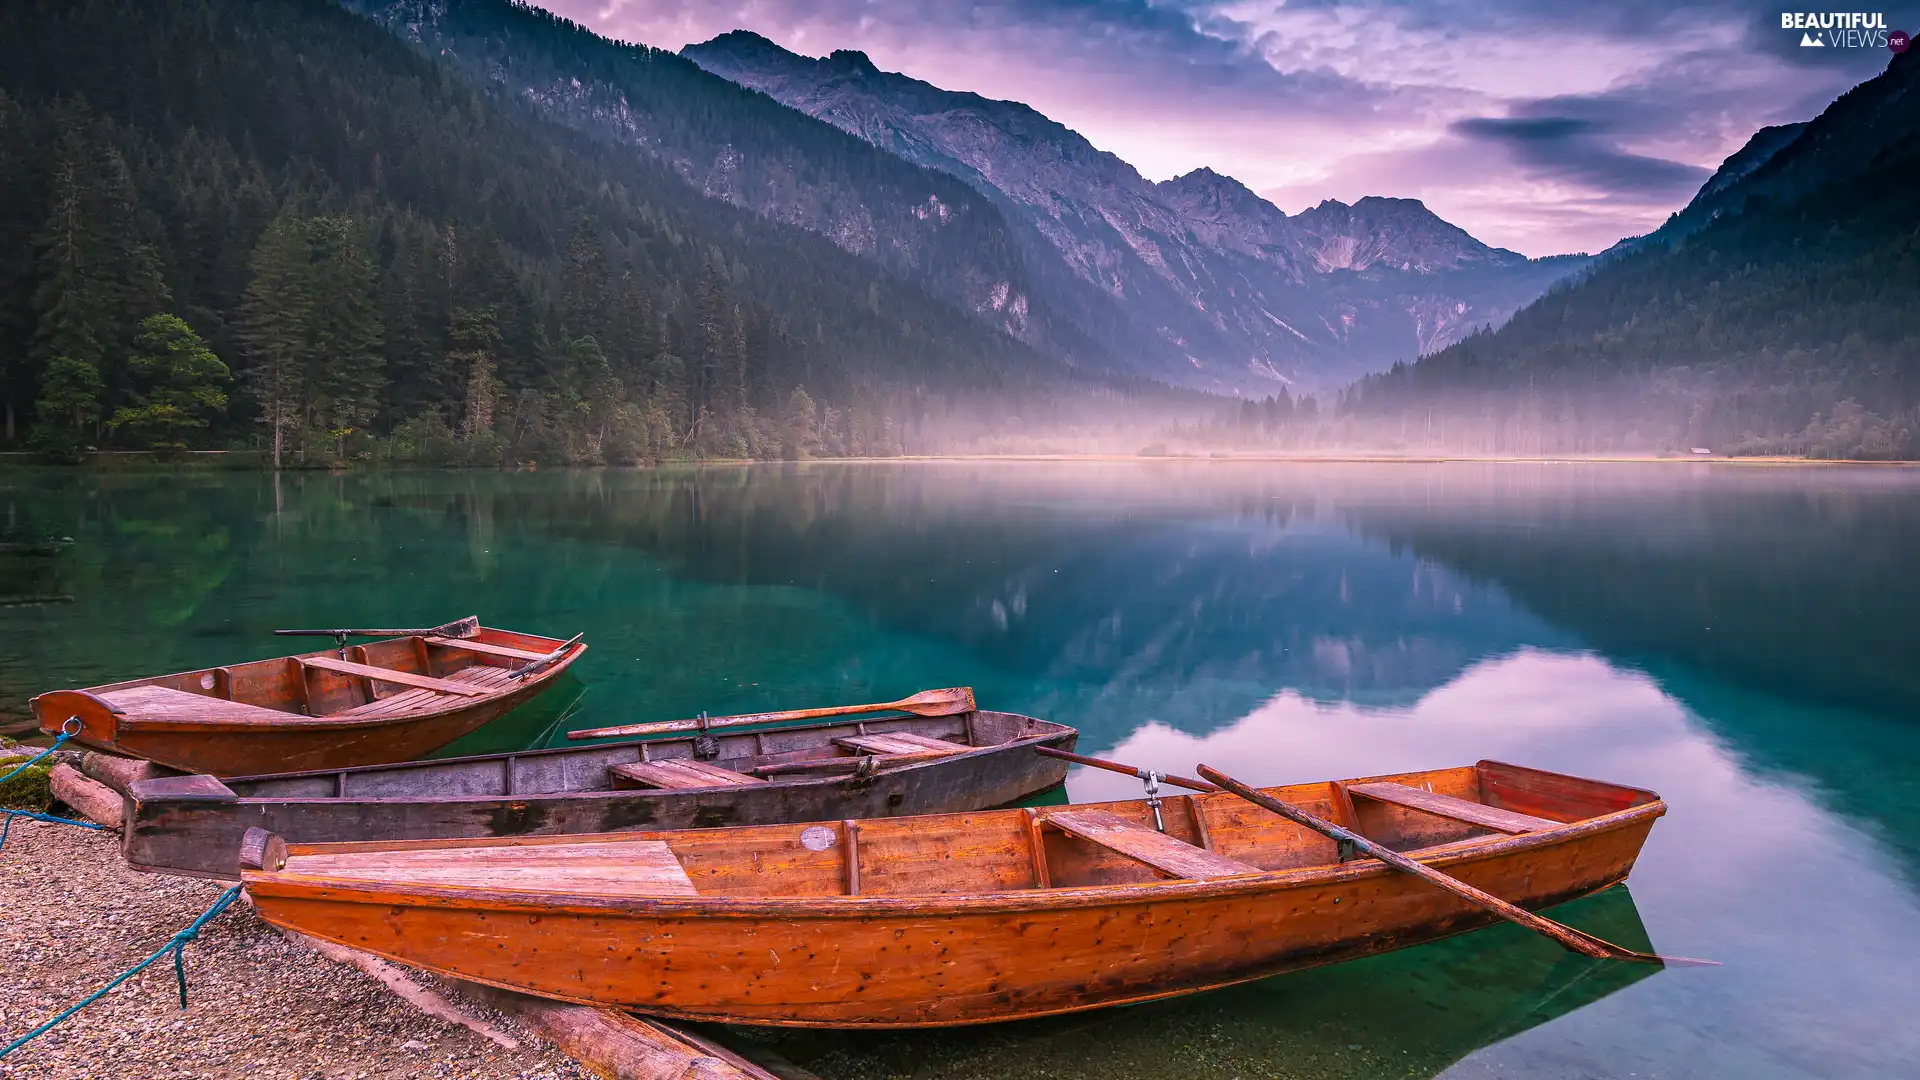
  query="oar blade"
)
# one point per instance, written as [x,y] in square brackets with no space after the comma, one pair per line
[458,628]
[951,701]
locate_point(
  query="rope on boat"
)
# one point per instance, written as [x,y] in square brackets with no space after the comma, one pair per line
[67,731]
[174,945]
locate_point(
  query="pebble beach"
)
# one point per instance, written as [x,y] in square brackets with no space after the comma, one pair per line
[259,1004]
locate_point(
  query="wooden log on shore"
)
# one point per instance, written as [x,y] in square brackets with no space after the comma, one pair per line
[619,1045]
[97,801]
[115,771]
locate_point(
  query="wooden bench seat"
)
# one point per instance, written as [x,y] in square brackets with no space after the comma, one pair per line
[1156,849]
[676,773]
[899,742]
[618,868]
[388,675]
[485,649]
[1446,806]
[161,703]
[418,701]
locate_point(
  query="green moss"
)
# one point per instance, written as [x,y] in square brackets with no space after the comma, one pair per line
[30,790]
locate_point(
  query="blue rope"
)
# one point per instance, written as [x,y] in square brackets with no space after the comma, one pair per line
[67,731]
[42,755]
[36,815]
[174,945]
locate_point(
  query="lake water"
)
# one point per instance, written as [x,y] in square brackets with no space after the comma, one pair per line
[1741,640]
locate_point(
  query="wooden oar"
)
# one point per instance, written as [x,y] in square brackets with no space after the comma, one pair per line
[458,628]
[1187,782]
[949,702]
[532,666]
[1566,936]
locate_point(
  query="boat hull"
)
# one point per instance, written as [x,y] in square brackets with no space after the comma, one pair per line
[207,744]
[925,961]
[200,837]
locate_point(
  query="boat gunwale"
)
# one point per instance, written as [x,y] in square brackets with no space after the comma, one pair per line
[332,721]
[615,744]
[1472,849]
[603,793]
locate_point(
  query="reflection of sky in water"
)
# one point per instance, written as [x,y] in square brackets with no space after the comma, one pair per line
[1817,938]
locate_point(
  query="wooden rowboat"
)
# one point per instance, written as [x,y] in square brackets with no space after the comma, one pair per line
[862,768]
[391,700]
[962,918]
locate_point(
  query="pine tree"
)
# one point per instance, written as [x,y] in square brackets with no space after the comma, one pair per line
[98,277]
[343,335]
[273,328]
[476,340]
[178,384]
[583,285]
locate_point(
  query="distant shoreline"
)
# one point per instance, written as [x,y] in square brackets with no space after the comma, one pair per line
[250,461]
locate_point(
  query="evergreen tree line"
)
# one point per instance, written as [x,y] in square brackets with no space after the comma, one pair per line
[349,327]
[1777,329]
[357,253]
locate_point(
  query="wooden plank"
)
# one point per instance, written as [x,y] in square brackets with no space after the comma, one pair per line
[850,850]
[404,678]
[898,742]
[1037,850]
[679,774]
[485,649]
[846,764]
[1158,850]
[1446,806]
[161,703]
[190,788]
[618,868]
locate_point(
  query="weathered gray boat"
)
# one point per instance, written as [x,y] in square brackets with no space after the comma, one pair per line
[192,824]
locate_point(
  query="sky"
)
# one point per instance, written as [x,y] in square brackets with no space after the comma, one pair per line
[1540,126]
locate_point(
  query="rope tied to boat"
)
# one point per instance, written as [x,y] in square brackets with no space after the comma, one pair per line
[67,731]
[174,945]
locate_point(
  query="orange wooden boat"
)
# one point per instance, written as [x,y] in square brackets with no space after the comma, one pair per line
[385,701]
[960,918]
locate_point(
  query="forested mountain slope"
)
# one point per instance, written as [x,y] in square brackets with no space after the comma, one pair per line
[353,239]
[1198,279]
[743,148]
[1783,324]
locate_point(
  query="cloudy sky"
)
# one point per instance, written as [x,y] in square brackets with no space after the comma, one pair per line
[1537,125]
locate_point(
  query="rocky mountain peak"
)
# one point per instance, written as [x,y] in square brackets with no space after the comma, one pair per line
[852,61]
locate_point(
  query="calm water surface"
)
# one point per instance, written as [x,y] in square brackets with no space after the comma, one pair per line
[1740,640]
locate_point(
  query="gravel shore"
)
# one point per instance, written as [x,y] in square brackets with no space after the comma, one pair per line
[72,915]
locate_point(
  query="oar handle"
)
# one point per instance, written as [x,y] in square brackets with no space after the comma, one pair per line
[1187,782]
[532,666]
[352,633]
[663,727]
[949,702]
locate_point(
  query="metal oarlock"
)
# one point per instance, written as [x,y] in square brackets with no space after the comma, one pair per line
[1152,780]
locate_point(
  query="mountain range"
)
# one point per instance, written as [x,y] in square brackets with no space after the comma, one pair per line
[990,205]
[1773,314]
[1197,279]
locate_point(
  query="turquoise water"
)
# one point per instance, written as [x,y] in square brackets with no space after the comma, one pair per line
[1741,640]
